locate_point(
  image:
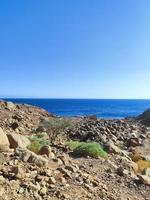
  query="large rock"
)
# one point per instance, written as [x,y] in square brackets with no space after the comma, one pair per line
[4,143]
[31,157]
[133,142]
[112,148]
[144,179]
[17,140]
[46,150]
[10,106]
[146,172]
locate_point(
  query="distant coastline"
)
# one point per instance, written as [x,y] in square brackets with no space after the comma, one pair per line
[102,108]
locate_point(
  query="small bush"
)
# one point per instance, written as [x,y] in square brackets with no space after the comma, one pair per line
[83,149]
[57,126]
[142,164]
[37,143]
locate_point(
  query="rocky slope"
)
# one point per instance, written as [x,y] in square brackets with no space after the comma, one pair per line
[54,174]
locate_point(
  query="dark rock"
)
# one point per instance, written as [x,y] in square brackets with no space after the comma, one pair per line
[144,118]
[133,142]
[14,125]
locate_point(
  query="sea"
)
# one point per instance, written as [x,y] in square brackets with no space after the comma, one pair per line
[102,108]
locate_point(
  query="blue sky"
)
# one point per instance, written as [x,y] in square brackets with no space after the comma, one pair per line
[75,49]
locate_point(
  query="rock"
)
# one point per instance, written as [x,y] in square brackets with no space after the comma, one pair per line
[46,150]
[4,143]
[28,156]
[144,179]
[112,148]
[2,104]
[17,140]
[72,168]
[43,190]
[14,125]
[2,158]
[52,180]
[2,191]
[146,172]
[121,171]
[2,180]
[10,106]
[40,129]
[147,157]
[133,142]
[38,160]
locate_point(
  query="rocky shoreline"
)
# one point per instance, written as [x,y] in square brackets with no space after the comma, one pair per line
[53,173]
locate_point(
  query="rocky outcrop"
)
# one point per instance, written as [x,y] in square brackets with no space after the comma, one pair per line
[21,118]
[144,118]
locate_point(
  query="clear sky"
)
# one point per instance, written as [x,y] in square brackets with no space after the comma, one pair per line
[75,48]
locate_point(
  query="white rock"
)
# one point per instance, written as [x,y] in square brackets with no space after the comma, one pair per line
[4,143]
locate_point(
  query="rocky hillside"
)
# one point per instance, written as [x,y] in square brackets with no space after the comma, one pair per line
[144,118]
[37,162]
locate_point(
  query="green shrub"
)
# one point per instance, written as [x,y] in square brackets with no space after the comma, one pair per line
[83,149]
[37,143]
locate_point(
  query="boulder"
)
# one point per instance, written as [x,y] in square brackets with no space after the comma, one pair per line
[112,148]
[17,140]
[4,143]
[133,142]
[10,106]
[144,179]
[146,172]
[37,159]
[46,150]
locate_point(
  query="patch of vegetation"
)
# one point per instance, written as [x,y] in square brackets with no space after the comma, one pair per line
[57,126]
[135,156]
[37,142]
[142,164]
[83,149]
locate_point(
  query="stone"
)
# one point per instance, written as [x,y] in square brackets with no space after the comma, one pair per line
[4,142]
[10,106]
[133,142]
[144,179]
[52,180]
[112,148]
[40,129]
[2,158]
[17,140]
[38,160]
[146,172]
[46,150]
[71,168]
[2,191]
[121,171]
[2,180]
[147,157]
[14,125]
[43,190]
[31,157]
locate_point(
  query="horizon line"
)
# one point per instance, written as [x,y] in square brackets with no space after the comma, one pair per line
[71,98]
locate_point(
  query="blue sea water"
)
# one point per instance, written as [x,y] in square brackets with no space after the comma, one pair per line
[103,108]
